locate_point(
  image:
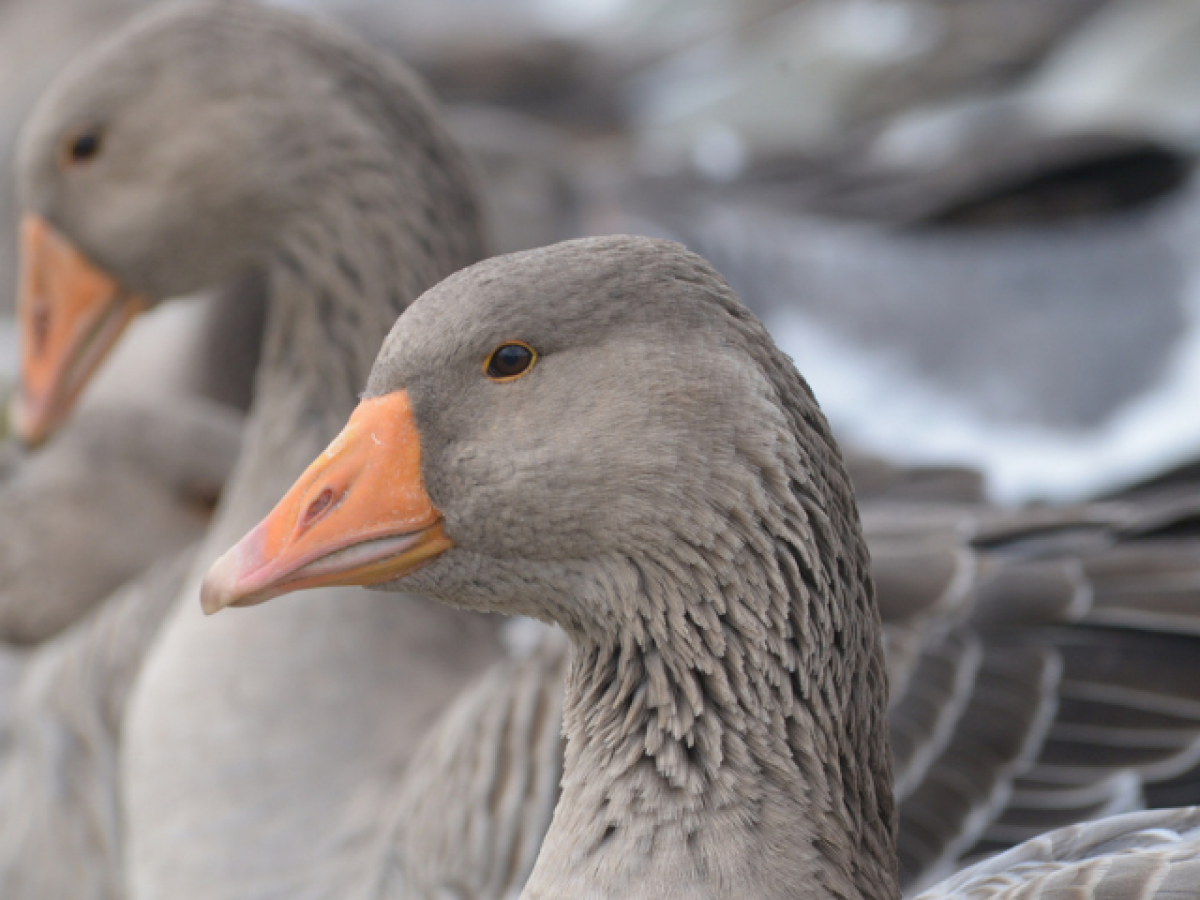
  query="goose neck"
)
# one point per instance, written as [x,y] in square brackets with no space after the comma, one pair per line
[727,738]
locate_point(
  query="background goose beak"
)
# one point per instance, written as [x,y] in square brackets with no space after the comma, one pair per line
[71,314]
[358,515]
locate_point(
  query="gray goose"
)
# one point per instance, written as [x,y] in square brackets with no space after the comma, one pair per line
[205,144]
[599,435]
[183,775]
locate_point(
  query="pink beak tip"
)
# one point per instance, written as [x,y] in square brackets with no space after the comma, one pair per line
[219,589]
[231,580]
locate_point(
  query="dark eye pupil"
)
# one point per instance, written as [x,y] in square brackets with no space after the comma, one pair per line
[85,147]
[509,360]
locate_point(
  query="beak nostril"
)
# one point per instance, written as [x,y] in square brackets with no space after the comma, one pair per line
[318,506]
[41,328]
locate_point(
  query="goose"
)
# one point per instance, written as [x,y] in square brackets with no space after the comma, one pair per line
[599,435]
[206,143]
[344,748]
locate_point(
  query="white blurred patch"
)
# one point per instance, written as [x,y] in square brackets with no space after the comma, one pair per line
[521,637]
[878,30]
[576,17]
[878,403]
[719,153]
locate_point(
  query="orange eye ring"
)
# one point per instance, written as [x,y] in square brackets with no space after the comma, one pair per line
[509,361]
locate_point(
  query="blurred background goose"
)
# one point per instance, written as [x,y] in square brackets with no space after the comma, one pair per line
[79,540]
[530,443]
[331,180]
[205,345]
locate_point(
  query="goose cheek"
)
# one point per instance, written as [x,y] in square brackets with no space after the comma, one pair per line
[359,515]
[71,314]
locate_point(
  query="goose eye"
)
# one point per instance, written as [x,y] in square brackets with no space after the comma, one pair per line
[509,361]
[83,147]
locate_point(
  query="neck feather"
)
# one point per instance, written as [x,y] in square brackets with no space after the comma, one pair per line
[727,737]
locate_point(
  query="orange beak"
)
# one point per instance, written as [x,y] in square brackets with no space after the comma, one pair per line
[358,515]
[71,314]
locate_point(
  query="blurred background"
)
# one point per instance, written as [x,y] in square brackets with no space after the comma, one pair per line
[972,223]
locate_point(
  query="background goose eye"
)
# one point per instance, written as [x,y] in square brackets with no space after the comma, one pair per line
[83,147]
[509,361]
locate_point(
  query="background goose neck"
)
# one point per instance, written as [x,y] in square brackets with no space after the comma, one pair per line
[335,289]
[373,220]
[369,204]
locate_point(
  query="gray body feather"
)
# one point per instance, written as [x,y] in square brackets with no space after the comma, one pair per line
[1139,856]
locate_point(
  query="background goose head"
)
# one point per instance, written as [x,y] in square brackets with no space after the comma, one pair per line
[177,156]
[599,435]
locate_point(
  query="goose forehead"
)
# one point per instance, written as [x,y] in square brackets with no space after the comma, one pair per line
[574,294]
[191,50]
[138,76]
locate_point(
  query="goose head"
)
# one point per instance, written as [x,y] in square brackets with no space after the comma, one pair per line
[166,160]
[597,434]
[532,420]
